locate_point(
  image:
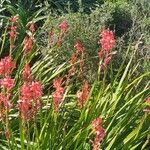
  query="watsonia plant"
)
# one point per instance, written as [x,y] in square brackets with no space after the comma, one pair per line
[102,115]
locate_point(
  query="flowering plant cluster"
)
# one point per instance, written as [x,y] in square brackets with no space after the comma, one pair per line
[6,84]
[13,32]
[75,101]
[99,132]
[58,94]
[107,42]
[30,95]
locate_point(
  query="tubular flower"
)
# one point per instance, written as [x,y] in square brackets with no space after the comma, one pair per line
[29,103]
[57,85]
[73,58]
[36,90]
[13,32]
[99,133]
[26,74]
[7,83]
[4,103]
[59,41]
[32,27]
[24,107]
[63,27]
[14,19]
[50,36]
[6,66]
[106,61]
[96,123]
[26,93]
[83,94]
[78,46]
[101,53]
[58,94]
[28,43]
[107,41]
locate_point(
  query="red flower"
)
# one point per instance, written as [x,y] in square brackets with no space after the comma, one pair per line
[50,36]
[36,89]
[63,27]
[13,19]
[78,46]
[28,43]
[73,58]
[57,85]
[32,27]
[24,107]
[96,123]
[107,41]
[83,94]
[107,60]
[58,94]
[29,103]
[6,66]
[4,102]
[26,74]
[59,41]
[7,83]
[26,93]
[57,97]
[13,32]
[101,53]
[99,133]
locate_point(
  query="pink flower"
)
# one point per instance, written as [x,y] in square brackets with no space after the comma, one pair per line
[24,107]
[13,19]
[107,41]
[26,74]
[101,53]
[73,58]
[28,43]
[4,102]
[58,94]
[57,97]
[7,83]
[32,27]
[13,32]
[99,133]
[36,90]
[6,66]
[29,103]
[78,46]
[83,94]
[57,85]
[26,93]
[107,60]
[59,41]
[96,123]
[50,37]
[63,27]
